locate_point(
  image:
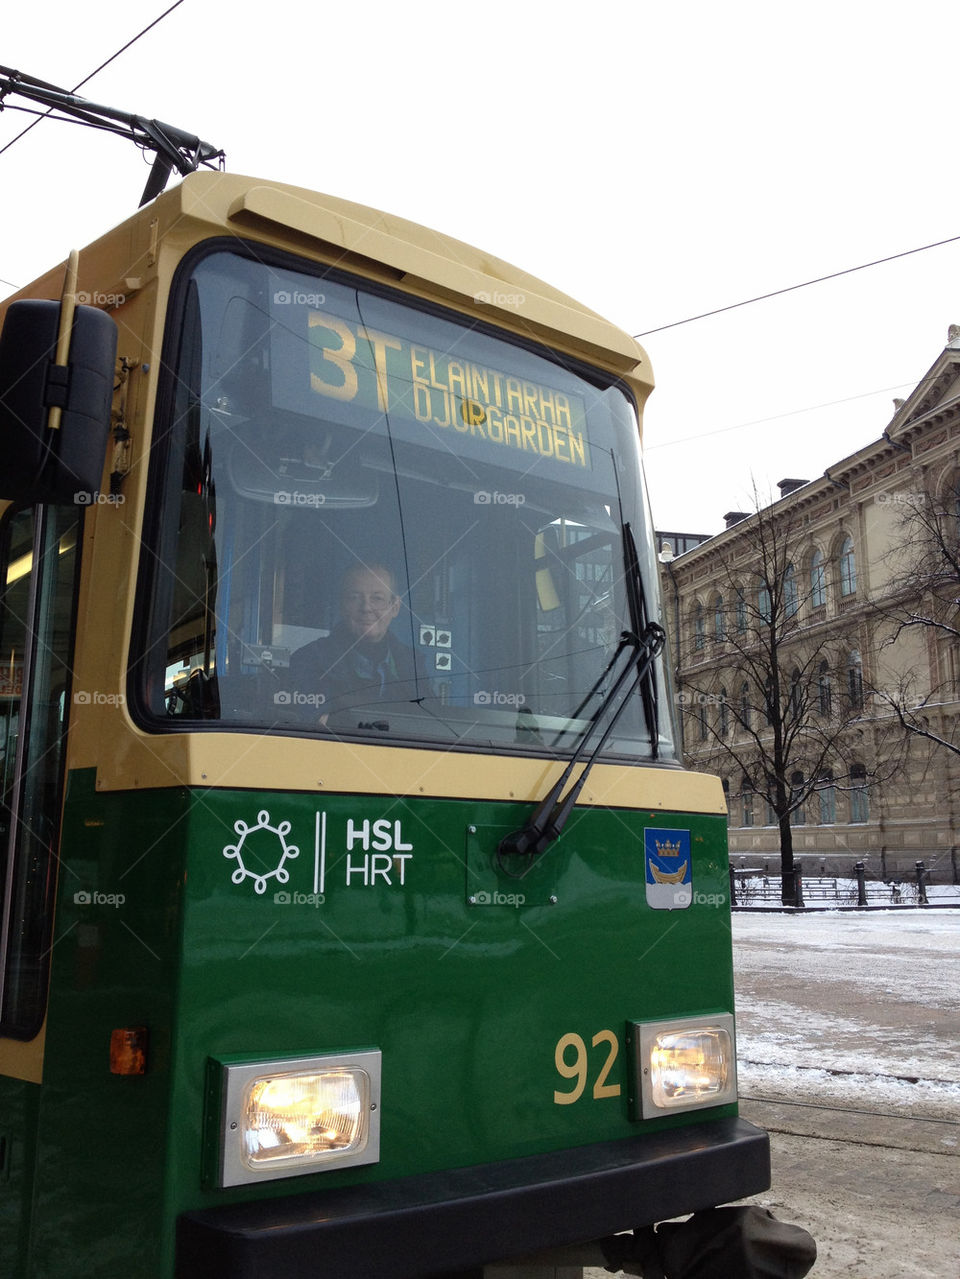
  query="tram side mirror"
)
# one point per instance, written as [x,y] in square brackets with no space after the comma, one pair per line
[61,465]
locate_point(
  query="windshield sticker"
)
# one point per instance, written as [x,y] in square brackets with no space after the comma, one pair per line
[354,363]
[668,868]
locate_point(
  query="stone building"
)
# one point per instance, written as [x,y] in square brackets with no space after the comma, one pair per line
[852,582]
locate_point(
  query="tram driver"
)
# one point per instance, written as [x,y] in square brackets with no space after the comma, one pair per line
[361,661]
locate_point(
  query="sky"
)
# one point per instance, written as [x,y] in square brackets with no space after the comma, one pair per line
[655,160]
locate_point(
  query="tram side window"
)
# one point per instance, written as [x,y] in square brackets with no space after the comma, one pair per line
[38,556]
[17,550]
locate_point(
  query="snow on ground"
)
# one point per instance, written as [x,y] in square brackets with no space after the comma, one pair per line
[850,1006]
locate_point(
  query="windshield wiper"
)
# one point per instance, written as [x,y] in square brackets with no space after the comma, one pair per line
[550,816]
[639,620]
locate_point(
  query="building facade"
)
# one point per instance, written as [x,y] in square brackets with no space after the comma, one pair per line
[816,648]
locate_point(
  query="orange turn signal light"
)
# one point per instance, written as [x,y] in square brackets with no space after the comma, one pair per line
[128,1050]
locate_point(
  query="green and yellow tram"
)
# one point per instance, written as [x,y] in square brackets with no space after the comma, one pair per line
[358,916]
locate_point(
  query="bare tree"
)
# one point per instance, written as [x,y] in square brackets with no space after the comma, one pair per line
[772,695]
[920,614]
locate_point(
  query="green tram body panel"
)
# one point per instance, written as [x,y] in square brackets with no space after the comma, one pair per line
[190,913]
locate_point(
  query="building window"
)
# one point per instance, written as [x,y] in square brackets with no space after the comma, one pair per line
[724,714]
[699,629]
[848,568]
[796,694]
[771,815]
[703,722]
[719,624]
[726,797]
[818,581]
[797,815]
[763,603]
[791,599]
[824,690]
[741,611]
[859,798]
[745,704]
[951,667]
[769,705]
[855,681]
[746,798]
[827,794]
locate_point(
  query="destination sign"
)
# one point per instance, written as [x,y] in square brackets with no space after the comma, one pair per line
[444,392]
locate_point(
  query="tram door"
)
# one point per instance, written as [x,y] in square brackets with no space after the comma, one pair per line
[38,557]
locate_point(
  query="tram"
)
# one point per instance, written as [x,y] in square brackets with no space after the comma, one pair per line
[358,917]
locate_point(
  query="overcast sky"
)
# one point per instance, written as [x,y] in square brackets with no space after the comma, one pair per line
[653,159]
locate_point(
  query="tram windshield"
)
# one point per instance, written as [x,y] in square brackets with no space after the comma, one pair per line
[381,522]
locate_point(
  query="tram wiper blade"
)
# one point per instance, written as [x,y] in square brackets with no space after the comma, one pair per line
[550,816]
[639,613]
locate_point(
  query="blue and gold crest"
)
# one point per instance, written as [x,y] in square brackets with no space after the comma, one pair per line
[666,855]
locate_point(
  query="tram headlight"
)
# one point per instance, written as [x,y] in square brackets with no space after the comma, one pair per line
[292,1116]
[684,1064]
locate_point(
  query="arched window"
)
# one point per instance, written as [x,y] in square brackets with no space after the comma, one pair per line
[791,599]
[699,628]
[827,793]
[818,581]
[859,798]
[745,704]
[824,690]
[854,681]
[719,622]
[848,567]
[797,815]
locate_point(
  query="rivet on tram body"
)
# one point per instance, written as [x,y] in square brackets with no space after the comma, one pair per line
[553,900]
[471,830]
[472,901]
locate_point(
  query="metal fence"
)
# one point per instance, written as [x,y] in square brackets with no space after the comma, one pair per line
[755,888]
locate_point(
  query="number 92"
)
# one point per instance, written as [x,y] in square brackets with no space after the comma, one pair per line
[571,1059]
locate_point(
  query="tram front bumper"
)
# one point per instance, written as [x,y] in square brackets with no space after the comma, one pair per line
[446,1221]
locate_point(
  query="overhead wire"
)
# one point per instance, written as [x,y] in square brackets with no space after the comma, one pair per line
[791,288]
[86,80]
[776,417]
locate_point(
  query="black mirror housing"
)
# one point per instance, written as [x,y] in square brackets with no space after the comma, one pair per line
[61,465]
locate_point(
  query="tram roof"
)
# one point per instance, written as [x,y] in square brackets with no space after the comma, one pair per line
[373,243]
